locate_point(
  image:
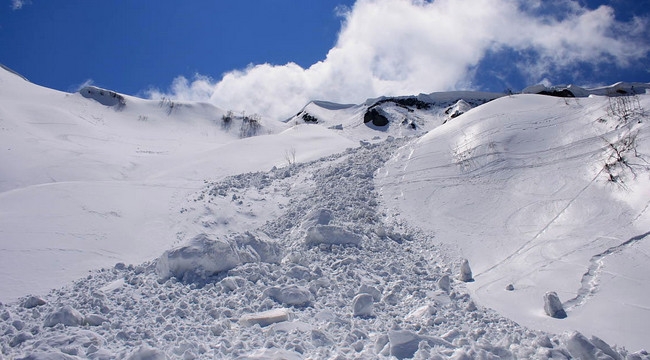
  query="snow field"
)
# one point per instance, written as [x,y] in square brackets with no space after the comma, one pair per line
[333,253]
[302,306]
[544,194]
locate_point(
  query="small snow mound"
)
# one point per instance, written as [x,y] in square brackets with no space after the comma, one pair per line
[553,305]
[104,97]
[331,235]
[66,316]
[265,318]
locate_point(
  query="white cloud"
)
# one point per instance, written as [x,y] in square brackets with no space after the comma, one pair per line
[18,4]
[396,47]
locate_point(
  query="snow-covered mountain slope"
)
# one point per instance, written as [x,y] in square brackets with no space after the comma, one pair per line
[391,116]
[338,234]
[85,185]
[545,194]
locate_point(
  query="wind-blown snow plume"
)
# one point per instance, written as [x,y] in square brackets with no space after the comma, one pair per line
[391,47]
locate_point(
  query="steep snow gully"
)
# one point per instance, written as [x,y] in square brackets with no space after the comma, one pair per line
[306,305]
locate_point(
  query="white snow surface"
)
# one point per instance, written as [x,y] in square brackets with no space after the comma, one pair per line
[137,229]
[543,193]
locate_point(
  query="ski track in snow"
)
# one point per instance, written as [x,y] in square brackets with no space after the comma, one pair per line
[589,282]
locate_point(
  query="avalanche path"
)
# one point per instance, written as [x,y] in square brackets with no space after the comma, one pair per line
[332,275]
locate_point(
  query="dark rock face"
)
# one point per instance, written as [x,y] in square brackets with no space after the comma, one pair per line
[373,116]
[104,97]
[308,118]
[558,93]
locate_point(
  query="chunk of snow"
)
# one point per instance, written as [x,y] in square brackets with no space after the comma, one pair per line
[553,305]
[272,354]
[465,272]
[581,348]
[265,318]
[66,316]
[202,257]
[331,235]
[264,248]
[32,302]
[444,283]
[362,305]
[403,343]
[20,338]
[147,353]
[290,295]
[317,217]
[94,320]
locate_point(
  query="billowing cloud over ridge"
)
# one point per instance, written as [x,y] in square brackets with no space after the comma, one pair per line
[397,47]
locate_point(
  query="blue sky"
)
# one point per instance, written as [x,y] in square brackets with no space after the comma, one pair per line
[130,45]
[256,54]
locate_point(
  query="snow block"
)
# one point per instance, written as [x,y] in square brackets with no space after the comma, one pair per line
[465,272]
[200,258]
[403,343]
[204,256]
[331,235]
[317,217]
[20,338]
[553,305]
[265,318]
[444,283]
[94,320]
[263,248]
[581,348]
[147,353]
[66,316]
[32,302]
[362,305]
[290,295]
